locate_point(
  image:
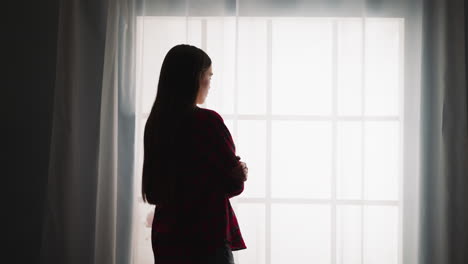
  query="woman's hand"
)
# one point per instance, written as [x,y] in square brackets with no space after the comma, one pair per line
[240,172]
[245,170]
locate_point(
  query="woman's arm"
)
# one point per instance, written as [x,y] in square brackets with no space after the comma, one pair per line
[237,176]
[232,171]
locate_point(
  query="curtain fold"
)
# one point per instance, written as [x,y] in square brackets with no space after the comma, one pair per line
[117,138]
[444,178]
[88,215]
[68,235]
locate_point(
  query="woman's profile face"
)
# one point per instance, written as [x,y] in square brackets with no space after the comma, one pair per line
[205,84]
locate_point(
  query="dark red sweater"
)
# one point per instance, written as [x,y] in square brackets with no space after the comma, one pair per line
[203,219]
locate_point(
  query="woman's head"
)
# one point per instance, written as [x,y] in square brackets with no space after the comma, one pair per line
[184,78]
[205,84]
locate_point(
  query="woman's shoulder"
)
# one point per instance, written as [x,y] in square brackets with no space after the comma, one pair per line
[209,115]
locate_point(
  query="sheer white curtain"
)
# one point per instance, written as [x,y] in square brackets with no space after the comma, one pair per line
[327,100]
[88,211]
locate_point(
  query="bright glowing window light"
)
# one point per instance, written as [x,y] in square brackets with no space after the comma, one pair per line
[314,106]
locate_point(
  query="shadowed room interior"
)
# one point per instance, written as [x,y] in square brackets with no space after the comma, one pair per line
[67,60]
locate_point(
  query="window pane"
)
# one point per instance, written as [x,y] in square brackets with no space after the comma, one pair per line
[194,34]
[382,66]
[252,66]
[251,147]
[156,44]
[349,157]
[380,235]
[348,234]
[301,159]
[220,44]
[302,66]
[144,251]
[349,66]
[252,224]
[300,234]
[142,226]
[381,160]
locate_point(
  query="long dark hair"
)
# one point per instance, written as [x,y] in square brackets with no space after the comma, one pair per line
[177,91]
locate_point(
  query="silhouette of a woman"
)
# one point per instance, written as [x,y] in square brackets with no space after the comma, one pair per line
[190,167]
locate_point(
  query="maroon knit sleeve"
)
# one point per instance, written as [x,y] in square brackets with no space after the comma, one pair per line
[224,155]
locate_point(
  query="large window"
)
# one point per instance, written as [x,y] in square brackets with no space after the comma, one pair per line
[315,106]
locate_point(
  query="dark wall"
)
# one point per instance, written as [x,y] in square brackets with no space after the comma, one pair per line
[29,40]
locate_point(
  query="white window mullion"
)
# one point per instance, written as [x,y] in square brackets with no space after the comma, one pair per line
[203,34]
[236,55]
[186,21]
[318,201]
[204,41]
[363,85]
[334,140]
[268,145]
[304,118]
[401,122]
[236,89]
[310,117]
